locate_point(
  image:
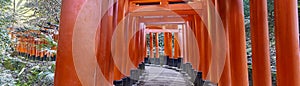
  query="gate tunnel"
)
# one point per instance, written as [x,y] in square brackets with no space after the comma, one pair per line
[104,42]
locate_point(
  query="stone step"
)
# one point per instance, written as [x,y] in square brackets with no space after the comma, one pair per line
[160,76]
[163,75]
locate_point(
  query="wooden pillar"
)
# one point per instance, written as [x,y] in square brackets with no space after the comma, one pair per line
[184,38]
[137,42]
[198,24]
[157,46]
[133,45]
[31,46]
[206,49]
[117,73]
[260,43]
[118,17]
[21,45]
[39,53]
[225,79]
[170,45]
[145,43]
[188,42]
[202,47]
[166,46]
[142,45]
[25,46]
[65,73]
[237,43]
[36,49]
[104,57]
[176,46]
[151,45]
[17,45]
[192,36]
[42,42]
[128,33]
[287,42]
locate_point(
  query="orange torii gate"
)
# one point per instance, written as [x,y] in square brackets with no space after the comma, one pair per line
[29,44]
[110,54]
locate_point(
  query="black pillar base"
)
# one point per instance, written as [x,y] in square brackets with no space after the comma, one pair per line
[26,55]
[168,60]
[157,61]
[22,54]
[199,81]
[127,81]
[53,58]
[172,62]
[178,62]
[146,60]
[118,83]
[152,60]
[141,66]
[31,57]
[37,58]
[44,58]
[19,53]
[175,62]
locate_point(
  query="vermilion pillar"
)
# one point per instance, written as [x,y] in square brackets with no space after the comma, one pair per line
[225,79]
[141,56]
[104,56]
[166,44]
[170,39]
[170,44]
[156,44]
[260,43]
[201,45]
[65,73]
[176,46]
[205,48]
[188,42]
[21,45]
[198,29]
[119,16]
[237,43]
[287,42]
[145,45]
[151,45]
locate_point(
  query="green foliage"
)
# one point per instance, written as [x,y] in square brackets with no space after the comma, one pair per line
[18,13]
[37,75]
[27,14]
[5,42]
[49,40]
[30,79]
[44,11]
[5,14]
[5,18]
[13,65]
